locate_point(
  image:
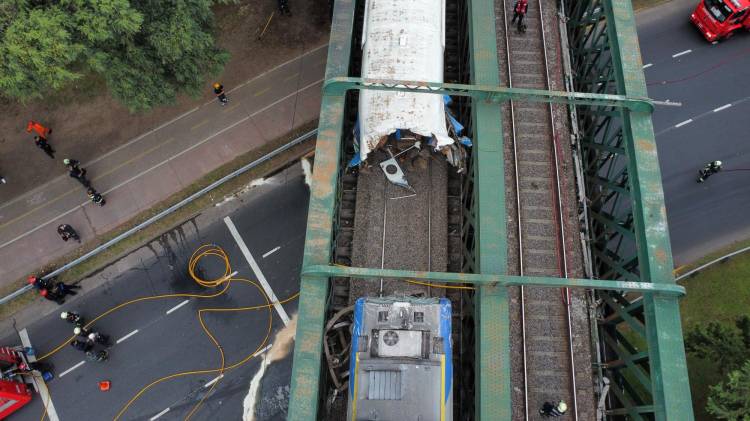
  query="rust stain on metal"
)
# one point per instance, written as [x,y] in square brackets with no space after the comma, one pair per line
[645,145]
[661,256]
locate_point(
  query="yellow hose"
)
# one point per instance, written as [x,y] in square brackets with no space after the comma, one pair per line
[225,280]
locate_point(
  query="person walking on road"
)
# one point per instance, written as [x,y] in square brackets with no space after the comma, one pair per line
[519,12]
[81,331]
[51,295]
[41,143]
[33,126]
[708,170]
[72,317]
[80,345]
[96,197]
[284,8]
[75,171]
[66,232]
[550,409]
[63,289]
[219,91]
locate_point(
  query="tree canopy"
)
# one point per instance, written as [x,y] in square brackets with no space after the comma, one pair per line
[729,347]
[148,51]
[730,400]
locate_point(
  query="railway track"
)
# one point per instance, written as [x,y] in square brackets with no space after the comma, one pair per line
[382,225]
[547,359]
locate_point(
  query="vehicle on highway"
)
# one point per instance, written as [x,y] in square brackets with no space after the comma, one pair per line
[720,19]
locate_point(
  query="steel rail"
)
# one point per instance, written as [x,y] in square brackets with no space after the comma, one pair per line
[564,256]
[518,217]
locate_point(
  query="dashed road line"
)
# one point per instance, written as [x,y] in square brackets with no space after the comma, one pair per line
[705,114]
[688,121]
[199,124]
[127,336]
[256,269]
[288,78]
[264,349]
[262,91]
[177,155]
[272,251]
[232,107]
[177,306]
[723,107]
[646,66]
[71,368]
[155,417]
[681,53]
[213,381]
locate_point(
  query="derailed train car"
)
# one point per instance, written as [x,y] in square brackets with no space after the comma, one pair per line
[405,40]
[401,360]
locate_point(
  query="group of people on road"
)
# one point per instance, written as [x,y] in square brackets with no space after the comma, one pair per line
[87,340]
[75,171]
[52,289]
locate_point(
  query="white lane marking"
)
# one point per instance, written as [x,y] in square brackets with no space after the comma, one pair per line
[213,381]
[723,107]
[248,404]
[682,53]
[26,342]
[127,336]
[646,66]
[272,251]
[71,368]
[256,269]
[688,121]
[177,306]
[163,125]
[158,415]
[39,385]
[264,349]
[44,224]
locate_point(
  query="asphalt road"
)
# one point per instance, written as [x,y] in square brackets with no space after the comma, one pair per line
[271,220]
[681,66]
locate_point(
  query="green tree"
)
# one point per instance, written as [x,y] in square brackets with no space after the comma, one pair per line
[730,400]
[728,346]
[37,53]
[148,51]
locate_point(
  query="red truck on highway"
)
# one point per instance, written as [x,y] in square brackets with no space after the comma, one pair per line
[720,19]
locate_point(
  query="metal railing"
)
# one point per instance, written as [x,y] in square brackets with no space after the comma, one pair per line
[165,212]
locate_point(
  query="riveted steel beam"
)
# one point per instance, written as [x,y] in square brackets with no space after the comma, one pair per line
[489,93]
[326,271]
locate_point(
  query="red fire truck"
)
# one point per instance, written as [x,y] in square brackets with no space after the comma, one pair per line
[720,19]
[16,371]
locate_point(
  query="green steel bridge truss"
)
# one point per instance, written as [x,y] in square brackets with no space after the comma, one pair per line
[638,324]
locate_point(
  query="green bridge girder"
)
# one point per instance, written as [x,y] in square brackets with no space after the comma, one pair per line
[640,335]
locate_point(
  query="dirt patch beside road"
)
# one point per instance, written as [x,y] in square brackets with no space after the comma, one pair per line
[87,122]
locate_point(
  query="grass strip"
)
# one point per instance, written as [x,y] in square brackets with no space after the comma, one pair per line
[181,215]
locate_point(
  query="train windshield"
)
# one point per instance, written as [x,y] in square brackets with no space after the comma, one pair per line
[719,9]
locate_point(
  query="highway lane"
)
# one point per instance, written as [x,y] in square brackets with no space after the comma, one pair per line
[713,84]
[271,221]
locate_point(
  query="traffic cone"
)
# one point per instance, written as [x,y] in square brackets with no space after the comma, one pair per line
[104,385]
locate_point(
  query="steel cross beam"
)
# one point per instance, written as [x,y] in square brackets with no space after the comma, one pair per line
[338,86]
[326,271]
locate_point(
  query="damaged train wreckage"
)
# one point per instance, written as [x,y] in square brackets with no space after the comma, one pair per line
[405,41]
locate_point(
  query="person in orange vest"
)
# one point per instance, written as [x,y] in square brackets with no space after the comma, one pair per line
[38,128]
[519,12]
